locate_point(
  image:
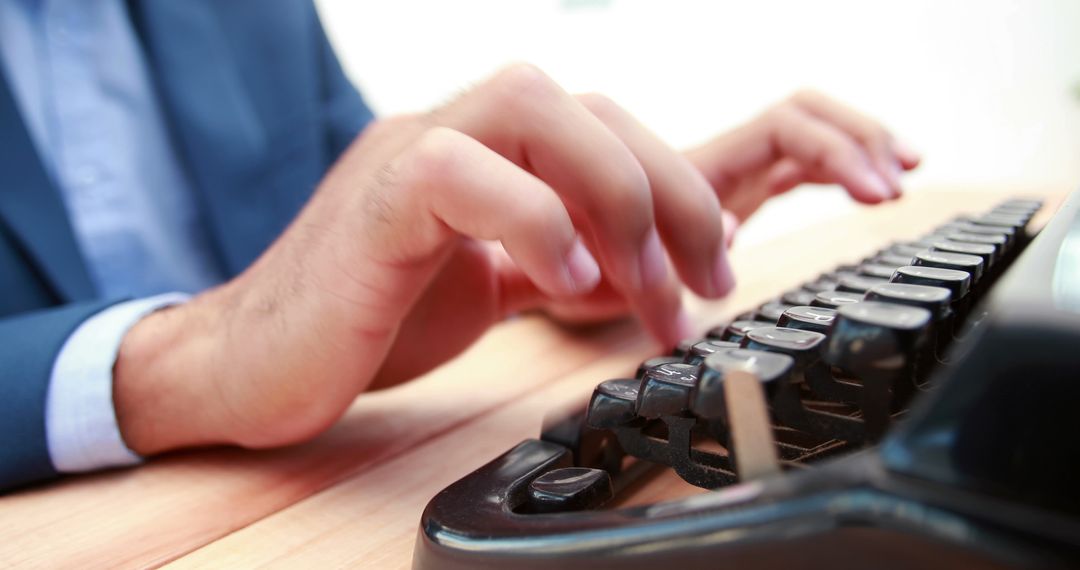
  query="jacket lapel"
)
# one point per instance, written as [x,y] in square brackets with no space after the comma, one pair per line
[31,206]
[211,115]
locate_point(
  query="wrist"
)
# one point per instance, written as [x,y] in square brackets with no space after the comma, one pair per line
[159,381]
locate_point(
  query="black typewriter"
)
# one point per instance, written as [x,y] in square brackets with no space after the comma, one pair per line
[914,410]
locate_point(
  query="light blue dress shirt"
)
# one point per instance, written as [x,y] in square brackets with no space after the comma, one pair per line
[82,85]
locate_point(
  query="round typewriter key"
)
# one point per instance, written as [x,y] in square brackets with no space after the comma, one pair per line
[833,299]
[957,282]
[1011,214]
[972,264]
[665,390]
[771,311]
[986,252]
[799,344]
[612,404]
[704,348]
[893,260]
[819,285]
[934,299]
[738,329]
[876,271]
[840,274]
[569,489]
[970,228]
[1032,203]
[654,362]
[876,336]
[707,398]
[1017,222]
[798,297]
[879,344]
[998,241]
[816,319]
[904,249]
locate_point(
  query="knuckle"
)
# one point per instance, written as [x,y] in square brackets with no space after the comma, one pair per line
[805,96]
[436,154]
[600,105]
[523,82]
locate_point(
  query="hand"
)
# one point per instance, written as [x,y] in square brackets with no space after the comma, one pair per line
[397,236]
[807,138]
[391,267]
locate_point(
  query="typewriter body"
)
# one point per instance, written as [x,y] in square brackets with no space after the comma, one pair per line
[914,409]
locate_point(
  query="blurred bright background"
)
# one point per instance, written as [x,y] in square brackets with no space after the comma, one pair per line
[988,91]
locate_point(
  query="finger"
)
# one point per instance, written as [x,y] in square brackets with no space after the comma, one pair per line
[731,225]
[687,211]
[448,181]
[875,138]
[909,157]
[826,152]
[524,116]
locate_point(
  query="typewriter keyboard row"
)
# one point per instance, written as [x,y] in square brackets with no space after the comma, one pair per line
[831,364]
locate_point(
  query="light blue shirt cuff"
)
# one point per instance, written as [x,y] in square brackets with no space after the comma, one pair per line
[80,420]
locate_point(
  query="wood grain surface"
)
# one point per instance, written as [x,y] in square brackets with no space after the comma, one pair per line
[353,496]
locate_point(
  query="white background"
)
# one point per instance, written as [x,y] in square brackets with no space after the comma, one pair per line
[988,91]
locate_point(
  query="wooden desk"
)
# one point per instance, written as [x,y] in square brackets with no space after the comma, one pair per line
[354,496]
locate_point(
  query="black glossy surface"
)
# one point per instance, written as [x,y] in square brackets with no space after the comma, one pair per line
[957,282]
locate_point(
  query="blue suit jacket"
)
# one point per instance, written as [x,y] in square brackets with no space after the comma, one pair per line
[258,107]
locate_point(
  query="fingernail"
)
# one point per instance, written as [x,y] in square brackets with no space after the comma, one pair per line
[651,262]
[723,274]
[876,184]
[582,270]
[906,151]
[731,225]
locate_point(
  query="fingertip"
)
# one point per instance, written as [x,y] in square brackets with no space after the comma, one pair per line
[870,187]
[582,270]
[908,156]
[723,274]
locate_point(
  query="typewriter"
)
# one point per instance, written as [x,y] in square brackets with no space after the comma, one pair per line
[911,410]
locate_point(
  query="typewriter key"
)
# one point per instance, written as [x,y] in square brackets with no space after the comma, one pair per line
[833,299]
[818,286]
[704,348]
[860,284]
[957,282]
[986,252]
[799,344]
[770,312]
[934,299]
[665,390]
[612,404]
[877,270]
[998,241]
[569,489]
[738,329]
[1013,221]
[815,319]
[798,297]
[878,343]
[972,264]
[968,227]
[656,361]
[771,369]
[892,260]
[904,249]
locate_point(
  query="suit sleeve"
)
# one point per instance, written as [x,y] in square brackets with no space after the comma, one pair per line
[29,347]
[344,111]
